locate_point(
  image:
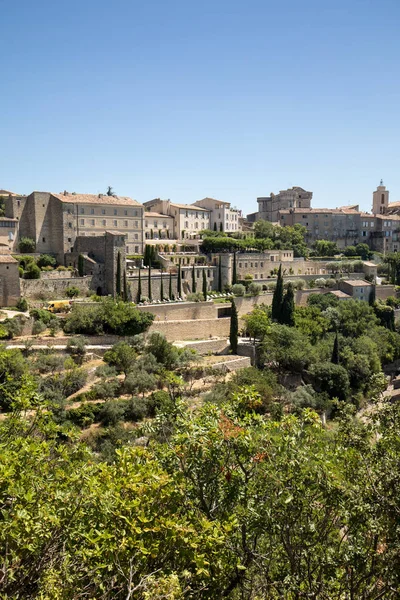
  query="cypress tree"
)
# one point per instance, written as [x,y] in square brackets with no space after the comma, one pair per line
[80,265]
[179,280]
[193,280]
[221,228]
[118,276]
[234,329]
[219,275]
[204,285]
[170,286]
[149,285]
[234,271]
[335,351]
[161,288]
[125,287]
[277,298]
[215,226]
[146,255]
[139,292]
[287,311]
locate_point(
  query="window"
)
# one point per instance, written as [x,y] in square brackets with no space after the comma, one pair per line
[196,225]
[364,233]
[137,224]
[240,265]
[126,213]
[103,212]
[92,211]
[304,216]
[155,224]
[70,225]
[69,239]
[115,211]
[82,221]
[164,225]
[127,249]
[383,199]
[186,213]
[261,264]
[116,223]
[43,240]
[82,211]
[186,224]
[126,223]
[136,249]
[135,214]
[104,222]
[136,236]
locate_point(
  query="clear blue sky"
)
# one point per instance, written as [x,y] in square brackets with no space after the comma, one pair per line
[183,99]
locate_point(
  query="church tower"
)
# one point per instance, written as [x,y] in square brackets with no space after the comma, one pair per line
[380,200]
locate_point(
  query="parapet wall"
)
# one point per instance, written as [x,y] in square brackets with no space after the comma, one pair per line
[53,288]
[182,312]
[192,329]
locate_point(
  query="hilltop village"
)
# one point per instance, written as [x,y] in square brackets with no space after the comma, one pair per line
[195,404]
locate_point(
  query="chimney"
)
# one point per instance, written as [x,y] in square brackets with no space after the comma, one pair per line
[100,195]
[65,193]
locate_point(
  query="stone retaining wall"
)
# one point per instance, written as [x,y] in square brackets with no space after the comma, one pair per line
[54,288]
[193,329]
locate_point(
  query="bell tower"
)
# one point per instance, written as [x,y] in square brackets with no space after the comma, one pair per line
[380,200]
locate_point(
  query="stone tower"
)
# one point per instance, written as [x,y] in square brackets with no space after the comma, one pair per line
[380,200]
[114,245]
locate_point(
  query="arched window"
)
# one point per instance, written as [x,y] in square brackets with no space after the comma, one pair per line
[383,199]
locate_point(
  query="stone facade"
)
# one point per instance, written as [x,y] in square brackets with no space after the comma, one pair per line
[222,216]
[10,291]
[54,221]
[51,288]
[270,206]
[192,330]
[188,219]
[158,226]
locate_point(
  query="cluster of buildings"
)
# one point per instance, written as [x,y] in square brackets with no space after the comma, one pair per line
[55,221]
[346,225]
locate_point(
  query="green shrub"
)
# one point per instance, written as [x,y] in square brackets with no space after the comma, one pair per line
[38,327]
[72,292]
[40,314]
[195,297]
[61,268]
[32,271]
[104,390]
[84,415]
[20,272]
[22,305]
[45,260]
[107,316]
[27,244]
[238,289]
[254,289]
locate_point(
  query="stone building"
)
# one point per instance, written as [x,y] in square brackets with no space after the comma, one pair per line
[188,219]
[358,289]
[270,206]
[9,280]
[54,221]
[101,255]
[222,216]
[157,226]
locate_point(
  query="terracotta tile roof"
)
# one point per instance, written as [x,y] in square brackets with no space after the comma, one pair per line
[213,200]
[96,199]
[155,214]
[340,294]
[189,207]
[7,258]
[357,282]
[314,211]
[7,193]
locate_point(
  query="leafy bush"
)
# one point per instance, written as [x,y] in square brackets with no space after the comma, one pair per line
[32,271]
[195,297]
[49,363]
[238,289]
[72,292]
[300,284]
[38,327]
[255,289]
[108,316]
[61,268]
[45,260]
[20,272]
[40,314]
[84,415]
[22,305]
[76,347]
[27,244]
[320,282]
[45,269]
[104,390]
[111,412]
